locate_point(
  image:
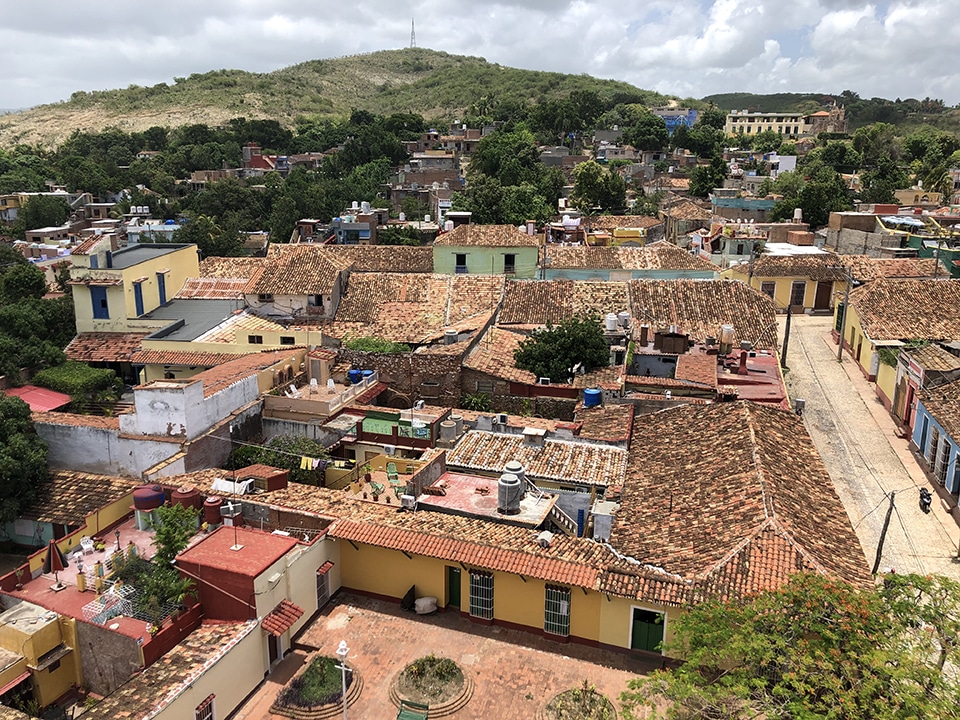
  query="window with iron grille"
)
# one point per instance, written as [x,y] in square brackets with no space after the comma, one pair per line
[556,610]
[205,709]
[481,594]
[943,462]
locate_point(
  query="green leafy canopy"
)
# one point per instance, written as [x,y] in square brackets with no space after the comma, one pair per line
[555,350]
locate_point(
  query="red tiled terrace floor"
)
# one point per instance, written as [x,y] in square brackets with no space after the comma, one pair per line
[514,672]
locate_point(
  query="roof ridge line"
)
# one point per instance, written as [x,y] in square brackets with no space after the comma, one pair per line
[768,511]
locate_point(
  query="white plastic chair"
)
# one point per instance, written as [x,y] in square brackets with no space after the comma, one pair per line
[86,545]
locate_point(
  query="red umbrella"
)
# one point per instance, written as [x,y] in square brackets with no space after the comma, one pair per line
[55,561]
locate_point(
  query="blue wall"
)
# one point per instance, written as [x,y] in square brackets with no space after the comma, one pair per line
[923,443]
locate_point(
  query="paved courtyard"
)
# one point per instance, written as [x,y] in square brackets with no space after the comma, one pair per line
[514,672]
[866,459]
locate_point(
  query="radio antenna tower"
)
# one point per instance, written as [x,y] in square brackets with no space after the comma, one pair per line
[413,35]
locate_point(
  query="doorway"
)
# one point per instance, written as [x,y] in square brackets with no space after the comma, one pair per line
[453,586]
[646,630]
[824,293]
[273,642]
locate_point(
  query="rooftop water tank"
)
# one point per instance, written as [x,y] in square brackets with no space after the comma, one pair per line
[610,322]
[188,496]
[515,467]
[592,397]
[354,376]
[211,509]
[509,493]
[148,497]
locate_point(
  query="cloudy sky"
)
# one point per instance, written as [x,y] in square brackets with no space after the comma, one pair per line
[895,48]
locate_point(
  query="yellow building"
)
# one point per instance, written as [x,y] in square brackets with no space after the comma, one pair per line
[112,289]
[806,282]
[885,315]
[37,657]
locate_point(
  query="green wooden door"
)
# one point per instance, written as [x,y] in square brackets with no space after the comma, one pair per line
[647,632]
[453,586]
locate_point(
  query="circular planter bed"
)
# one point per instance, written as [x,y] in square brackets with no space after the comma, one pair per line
[583,703]
[316,691]
[434,681]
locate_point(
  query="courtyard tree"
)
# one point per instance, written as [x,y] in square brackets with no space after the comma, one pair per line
[814,648]
[597,187]
[556,350]
[23,459]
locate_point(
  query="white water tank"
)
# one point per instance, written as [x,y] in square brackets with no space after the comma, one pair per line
[509,494]
[624,318]
[610,322]
[515,467]
[458,421]
[403,217]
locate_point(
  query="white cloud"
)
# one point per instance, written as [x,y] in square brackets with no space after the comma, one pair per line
[900,48]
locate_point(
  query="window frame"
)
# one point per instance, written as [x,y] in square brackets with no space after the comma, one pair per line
[556,614]
[254,339]
[481,598]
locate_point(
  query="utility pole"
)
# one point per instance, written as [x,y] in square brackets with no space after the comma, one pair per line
[786,340]
[413,35]
[846,307]
[883,535]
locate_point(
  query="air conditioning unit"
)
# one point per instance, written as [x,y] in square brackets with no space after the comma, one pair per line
[390,450]
[502,418]
[543,381]
[408,502]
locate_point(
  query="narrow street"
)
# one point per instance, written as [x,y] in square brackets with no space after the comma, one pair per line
[865,459]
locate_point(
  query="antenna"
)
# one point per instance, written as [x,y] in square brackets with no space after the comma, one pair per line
[413,35]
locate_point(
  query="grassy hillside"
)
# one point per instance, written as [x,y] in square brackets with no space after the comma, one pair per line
[779,102]
[435,84]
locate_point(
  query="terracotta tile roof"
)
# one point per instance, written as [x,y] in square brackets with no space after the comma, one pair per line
[414,308]
[486,236]
[698,368]
[606,378]
[567,461]
[516,421]
[212,288]
[609,423]
[656,256]
[230,267]
[815,267]
[700,307]
[181,358]
[648,381]
[493,355]
[282,617]
[865,268]
[735,497]
[71,420]
[687,210]
[909,309]
[223,376]
[87,245]
[301,269]
[386,258]
[619,222]
[145,695]
[943,404]
[104,347]
[935,357]
[538,302]
[68,497]
[8,713]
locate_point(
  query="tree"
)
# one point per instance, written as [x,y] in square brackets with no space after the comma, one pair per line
[175,525]
[284,452]
[595,186]
[40,211]
[814,648]
[23,459]
[704,178]
[650,133]
[712,117]
[22,281]
[878,184]
[554,351]
[283,219]
[212,239]
[403,235]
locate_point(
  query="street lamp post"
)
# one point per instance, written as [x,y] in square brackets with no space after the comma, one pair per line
[342,652]
[117,533]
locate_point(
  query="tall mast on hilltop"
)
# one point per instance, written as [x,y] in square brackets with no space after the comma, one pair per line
[413,35]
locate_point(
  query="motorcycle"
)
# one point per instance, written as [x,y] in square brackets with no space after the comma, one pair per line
[925,500]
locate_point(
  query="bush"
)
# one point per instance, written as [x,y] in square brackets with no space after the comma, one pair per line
[377,345]
[79,380]
[319,684]
[430,679]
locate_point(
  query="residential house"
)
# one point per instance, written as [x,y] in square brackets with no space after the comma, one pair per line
[793,124]
[936,438]
[920,369]
[886,315]
[299,281]
[625,230]
[659,261]
[486,250]
[804,282]
[682,217]
[742,208]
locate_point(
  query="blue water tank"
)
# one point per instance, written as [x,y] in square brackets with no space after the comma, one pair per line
[170,222]
[592,397]
[367,373]
[355,376]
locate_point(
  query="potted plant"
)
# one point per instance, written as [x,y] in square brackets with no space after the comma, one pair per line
[19,573]
[367,470]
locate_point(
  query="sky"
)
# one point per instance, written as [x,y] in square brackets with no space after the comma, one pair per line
[689,48]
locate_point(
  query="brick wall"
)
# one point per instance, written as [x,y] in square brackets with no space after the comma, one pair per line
[857,242]
[108,659]
[431,377]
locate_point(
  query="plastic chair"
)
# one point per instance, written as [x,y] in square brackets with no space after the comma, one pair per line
[392,474]
[86,545]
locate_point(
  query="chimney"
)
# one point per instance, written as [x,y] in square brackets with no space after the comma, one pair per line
[742,370]
[534,437]
[531,227]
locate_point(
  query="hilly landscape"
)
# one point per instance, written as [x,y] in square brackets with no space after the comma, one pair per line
[437,85]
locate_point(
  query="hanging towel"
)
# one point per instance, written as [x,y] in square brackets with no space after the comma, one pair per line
[306,463]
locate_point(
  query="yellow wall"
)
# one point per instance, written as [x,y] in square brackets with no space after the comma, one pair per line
[616,616]
[230,679]
[887,380]
[388,572]
[784,286]
[40,639]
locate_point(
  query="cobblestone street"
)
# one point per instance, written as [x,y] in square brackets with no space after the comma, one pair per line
[856,438]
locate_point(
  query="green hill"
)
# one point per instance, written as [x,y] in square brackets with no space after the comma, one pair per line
[435,84]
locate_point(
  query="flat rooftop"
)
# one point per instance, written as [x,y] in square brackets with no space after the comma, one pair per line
[198,317]
[136,254]
[476,496]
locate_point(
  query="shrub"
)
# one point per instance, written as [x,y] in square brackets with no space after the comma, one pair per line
[378,345]
[319,684]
